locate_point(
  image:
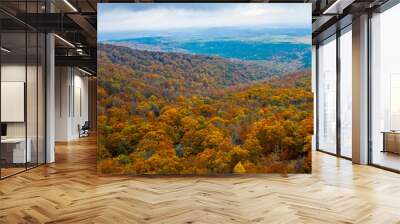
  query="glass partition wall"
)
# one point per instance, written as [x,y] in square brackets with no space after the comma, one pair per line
[345,61]
[334,94]
[385,89]
[326,101]
[22,78]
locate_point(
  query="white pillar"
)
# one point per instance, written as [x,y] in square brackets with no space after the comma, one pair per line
[360,90]
[50,99]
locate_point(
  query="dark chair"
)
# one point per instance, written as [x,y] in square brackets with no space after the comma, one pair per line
[84,130]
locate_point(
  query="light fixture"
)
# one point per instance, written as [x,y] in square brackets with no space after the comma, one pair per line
[70,5]
[337,7]
[84,71]
[80,51]
[5,50]
[65,41]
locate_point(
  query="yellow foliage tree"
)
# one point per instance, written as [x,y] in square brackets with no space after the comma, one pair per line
[239,169]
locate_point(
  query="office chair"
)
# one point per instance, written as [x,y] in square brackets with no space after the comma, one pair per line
[84,130]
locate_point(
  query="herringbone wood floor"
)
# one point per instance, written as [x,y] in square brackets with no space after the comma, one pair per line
[70,191]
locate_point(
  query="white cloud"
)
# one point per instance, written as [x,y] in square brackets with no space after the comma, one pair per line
[173,17]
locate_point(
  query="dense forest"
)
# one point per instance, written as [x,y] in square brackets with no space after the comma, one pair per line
[176,113]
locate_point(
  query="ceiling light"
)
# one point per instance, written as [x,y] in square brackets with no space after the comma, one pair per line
[70,5]
[65,41]
[79,51]
[338,6]
[84,71]
[5,50]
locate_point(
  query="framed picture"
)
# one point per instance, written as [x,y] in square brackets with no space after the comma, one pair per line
[205,88]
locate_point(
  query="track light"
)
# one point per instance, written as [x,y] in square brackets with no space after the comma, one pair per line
[84,71]
[64,40]
[70,5]
[80,51]
[337,7]
[5,50]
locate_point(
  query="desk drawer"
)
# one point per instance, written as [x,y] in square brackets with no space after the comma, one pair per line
[392,142]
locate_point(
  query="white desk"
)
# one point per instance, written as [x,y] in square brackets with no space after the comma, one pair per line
[18,151]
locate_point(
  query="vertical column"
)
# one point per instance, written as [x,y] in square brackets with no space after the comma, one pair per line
[92,101]
[338,91]
[50,91]
[314,90]
[360,90]
[50,98]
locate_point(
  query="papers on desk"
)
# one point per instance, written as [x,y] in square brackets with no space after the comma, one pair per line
[19,154]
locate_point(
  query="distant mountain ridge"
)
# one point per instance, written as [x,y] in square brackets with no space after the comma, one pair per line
[263,48]
[185,74]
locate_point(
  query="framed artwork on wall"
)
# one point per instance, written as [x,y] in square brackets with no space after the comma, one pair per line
[205,88]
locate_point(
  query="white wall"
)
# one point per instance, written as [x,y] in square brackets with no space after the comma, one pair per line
[80,110]
[71,102]
[62,82]
[16,73]
[33,127]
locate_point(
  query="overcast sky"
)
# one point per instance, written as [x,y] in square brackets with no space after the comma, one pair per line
[154,17]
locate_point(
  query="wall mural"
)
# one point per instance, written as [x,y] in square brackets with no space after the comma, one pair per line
[204,88]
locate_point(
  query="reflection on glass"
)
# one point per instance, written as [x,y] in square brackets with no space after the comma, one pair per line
[14,153]
[327,96]
[22,90]
[346,94]
[31,100]
[395,102]
[41,98]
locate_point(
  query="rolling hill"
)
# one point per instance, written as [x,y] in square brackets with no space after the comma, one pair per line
[177,113]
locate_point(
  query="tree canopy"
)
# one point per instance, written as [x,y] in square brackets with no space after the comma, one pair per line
[168,113]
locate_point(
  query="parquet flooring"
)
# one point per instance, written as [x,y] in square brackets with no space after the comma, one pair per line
[70,191]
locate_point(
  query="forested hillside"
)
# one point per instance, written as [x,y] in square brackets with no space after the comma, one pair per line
[174,113]
[184,73]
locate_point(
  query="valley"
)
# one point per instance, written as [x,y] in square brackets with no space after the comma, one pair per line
[178,113]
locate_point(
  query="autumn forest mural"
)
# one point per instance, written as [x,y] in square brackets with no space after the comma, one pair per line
[204,88]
